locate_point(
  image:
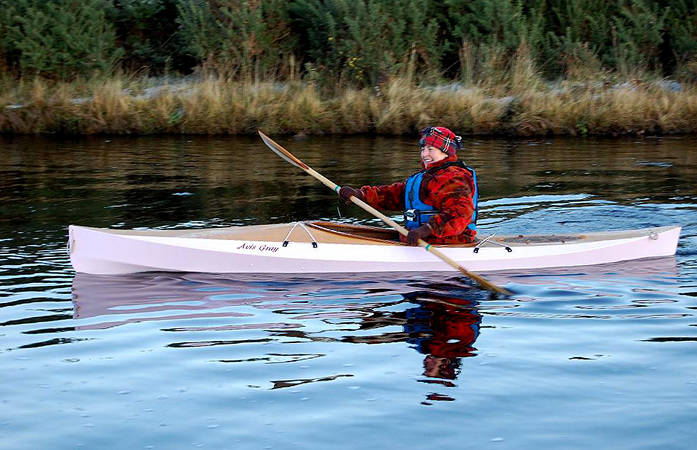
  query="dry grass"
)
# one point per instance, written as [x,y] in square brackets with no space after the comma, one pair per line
[523,105]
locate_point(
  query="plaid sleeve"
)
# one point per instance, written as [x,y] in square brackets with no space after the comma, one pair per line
[450,192]
[389,197]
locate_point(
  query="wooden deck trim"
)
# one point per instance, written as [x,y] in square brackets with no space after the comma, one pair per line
[356,231]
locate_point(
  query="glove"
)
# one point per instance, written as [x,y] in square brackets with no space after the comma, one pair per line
[421,232]
[346,192]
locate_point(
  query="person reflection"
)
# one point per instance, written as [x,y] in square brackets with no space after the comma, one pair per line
[444,329]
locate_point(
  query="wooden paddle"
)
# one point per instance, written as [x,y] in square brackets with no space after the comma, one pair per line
[288,156]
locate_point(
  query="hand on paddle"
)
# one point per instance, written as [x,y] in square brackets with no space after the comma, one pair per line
[346,192]
[421,232]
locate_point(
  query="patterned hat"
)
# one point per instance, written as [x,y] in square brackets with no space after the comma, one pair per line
[440,138]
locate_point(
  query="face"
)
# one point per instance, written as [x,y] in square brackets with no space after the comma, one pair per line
[430,155]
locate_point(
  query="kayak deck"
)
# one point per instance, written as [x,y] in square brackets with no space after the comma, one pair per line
[322,232]
[338,233]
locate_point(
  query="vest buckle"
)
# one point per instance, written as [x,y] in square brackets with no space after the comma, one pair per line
[411,215]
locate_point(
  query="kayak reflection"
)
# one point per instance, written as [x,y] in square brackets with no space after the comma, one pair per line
[286,319]
[437,316]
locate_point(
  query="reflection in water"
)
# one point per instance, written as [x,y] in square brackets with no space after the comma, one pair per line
[436,314]
[280,384]
[444,329]
[437,317]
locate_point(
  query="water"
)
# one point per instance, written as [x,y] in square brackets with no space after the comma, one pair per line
[597,356]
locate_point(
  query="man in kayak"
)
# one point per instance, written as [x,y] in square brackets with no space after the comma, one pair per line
[440,201]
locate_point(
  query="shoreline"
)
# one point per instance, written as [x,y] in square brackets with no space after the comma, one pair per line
[122,106]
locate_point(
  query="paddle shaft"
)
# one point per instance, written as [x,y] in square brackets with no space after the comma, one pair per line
[285,154]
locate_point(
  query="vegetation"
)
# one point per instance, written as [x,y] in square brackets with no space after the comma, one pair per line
[216,106]
[523,67]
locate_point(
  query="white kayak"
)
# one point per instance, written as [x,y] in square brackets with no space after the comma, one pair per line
[327,247]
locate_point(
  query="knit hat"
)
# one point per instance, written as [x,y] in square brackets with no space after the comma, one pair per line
[440,138]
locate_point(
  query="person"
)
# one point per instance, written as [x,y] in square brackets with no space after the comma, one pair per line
[439,201]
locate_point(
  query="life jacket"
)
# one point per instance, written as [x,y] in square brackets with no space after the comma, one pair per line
[417,213]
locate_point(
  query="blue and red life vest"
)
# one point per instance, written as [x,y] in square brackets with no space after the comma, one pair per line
[417,213]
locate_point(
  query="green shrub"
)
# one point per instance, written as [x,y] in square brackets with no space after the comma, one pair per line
[495,23]
[239,38]
[638,35]
[489,33]
[681,39]
[147,32]
[578,36]
[365,41]
[350,42]
[60,38]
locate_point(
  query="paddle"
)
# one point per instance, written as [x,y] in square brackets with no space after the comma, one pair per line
[288,156]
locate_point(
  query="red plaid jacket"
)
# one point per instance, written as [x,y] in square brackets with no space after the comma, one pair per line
[449,191]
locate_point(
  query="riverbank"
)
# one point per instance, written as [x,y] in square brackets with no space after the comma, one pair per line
[398,106]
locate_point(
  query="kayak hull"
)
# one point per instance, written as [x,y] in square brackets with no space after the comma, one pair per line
[313,248]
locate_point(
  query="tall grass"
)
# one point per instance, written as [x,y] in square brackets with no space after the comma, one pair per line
[523,105]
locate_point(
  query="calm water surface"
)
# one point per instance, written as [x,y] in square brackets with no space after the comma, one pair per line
[579,357]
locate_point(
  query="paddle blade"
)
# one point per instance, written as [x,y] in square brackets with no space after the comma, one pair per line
[282,152]
[486,284]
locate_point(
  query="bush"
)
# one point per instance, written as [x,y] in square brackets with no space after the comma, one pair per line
[358,43]
[147,32]
[236,37]
[59,38]
[637,37]
[680,53]
[363,42]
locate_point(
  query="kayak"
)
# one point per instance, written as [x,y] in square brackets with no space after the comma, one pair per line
[329,247]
